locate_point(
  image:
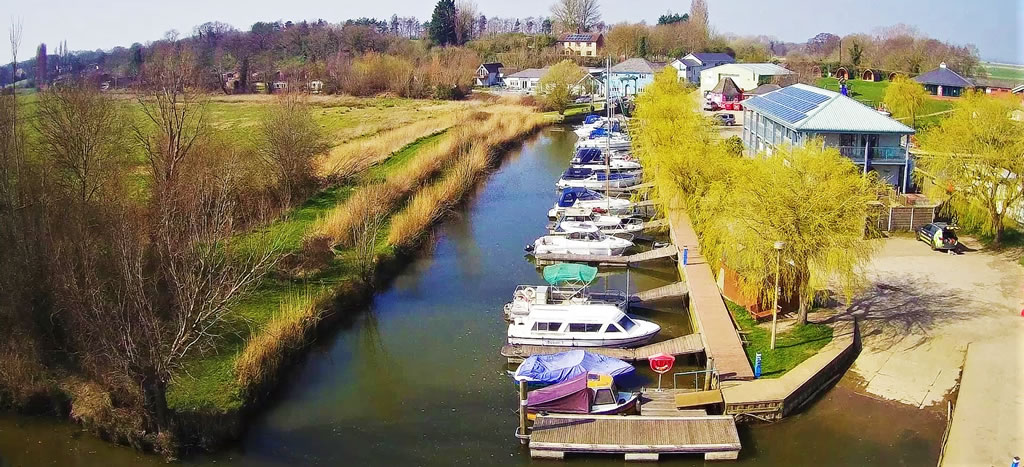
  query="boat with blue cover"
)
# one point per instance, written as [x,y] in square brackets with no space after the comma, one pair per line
[593,158]
[563,366]
[580,197]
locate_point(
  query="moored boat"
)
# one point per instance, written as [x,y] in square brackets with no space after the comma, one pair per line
[587,220]
[567,284]
[596,325]
[597,179]
[580,243]
[586,198]
[586,393]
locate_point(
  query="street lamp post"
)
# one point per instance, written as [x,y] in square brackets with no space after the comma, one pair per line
[775,306]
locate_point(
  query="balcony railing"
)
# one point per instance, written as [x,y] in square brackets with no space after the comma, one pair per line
[876,153]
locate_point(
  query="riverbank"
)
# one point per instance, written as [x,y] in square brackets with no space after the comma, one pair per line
[272,327]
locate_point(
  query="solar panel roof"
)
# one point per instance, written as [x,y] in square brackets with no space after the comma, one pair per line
[578,37]
[776,109]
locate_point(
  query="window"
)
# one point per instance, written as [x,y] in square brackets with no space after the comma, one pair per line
[549,327]
[603,396]
[584,327]
[626,324]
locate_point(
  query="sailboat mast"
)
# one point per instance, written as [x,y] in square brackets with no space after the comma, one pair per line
[608,134]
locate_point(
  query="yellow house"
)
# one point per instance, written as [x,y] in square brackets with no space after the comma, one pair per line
[586,44]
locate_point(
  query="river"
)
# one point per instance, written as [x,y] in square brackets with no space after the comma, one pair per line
[417,379]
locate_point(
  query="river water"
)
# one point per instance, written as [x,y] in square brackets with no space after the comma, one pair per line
[417,379]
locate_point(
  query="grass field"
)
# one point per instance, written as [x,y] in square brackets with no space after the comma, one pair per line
[870,93]
[1003,71]
[791,347]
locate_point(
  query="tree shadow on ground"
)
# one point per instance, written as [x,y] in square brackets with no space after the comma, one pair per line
[902,308]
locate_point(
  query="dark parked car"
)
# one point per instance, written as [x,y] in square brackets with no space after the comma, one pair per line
[711,106]
[725,119]
[938,236]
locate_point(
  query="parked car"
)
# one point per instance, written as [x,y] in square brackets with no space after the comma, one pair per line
[711,106]
[938,236]
[725,119]
[583,99]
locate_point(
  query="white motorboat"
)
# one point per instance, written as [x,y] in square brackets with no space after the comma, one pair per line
[594,325]
[591,123]
[568,285]
[597,179]
[587,198]
[580,243]
[586,220]
[616,142]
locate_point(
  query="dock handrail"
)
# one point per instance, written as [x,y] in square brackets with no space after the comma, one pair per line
[697,386]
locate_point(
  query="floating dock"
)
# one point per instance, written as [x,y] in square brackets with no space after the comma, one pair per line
[605,260]
[683,345]
[676,290]
[638,437]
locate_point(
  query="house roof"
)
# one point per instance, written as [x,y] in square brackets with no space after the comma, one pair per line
[762,69]
[997,83]
[1018,89]
[727,87]
[638,65]
[809,109]
[580,37]
[943,76]
[763,89]
[706,57]
[493,67]
[689,61]
[529,73]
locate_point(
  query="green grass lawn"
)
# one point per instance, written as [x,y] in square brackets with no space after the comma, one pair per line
[791,347]
[999,71]
[870,93]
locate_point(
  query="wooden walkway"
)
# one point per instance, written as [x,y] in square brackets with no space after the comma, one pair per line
[683,345]
[655,224]
[642,186]
[721,341]
[677,290]
[664,404]
[604,260]
[638,437]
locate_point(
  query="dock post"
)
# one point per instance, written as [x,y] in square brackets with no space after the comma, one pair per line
[522,411]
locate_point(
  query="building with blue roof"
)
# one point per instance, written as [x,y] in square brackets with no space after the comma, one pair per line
[690,66]
[943,81]
[799,113]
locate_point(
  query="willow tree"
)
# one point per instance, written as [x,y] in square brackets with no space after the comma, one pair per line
[974,160]
[678,146]
[814,201]
[558,84]
[904,98]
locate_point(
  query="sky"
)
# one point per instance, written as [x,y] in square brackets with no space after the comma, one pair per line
[994,26]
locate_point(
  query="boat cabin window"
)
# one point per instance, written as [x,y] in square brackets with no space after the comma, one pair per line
[626,324]
[590,196]
[603,396]
[551,327]
[584,327]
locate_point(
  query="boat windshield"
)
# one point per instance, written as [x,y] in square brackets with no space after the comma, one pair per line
[626,324]
[590,196]
[604,396]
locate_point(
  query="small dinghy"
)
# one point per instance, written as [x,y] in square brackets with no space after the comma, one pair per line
[586,393]
[563,366]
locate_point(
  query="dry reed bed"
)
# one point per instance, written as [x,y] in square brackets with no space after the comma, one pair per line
[432,203]
[264,353]
[493,125]
[351,158]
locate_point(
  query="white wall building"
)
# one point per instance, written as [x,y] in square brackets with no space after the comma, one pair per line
[746,75]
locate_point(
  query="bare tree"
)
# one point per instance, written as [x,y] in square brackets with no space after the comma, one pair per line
[465,17]
[576,15]
[288,141]
[83,136]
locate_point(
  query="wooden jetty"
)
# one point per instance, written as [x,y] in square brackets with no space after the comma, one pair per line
[630,189]
[606,260]
[666,403]
[683,345]
[676,290]
[655,224]
[640,438]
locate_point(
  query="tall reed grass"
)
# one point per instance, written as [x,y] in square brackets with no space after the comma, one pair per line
[267,350]
[347,160]
[432,203]
[486,128]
